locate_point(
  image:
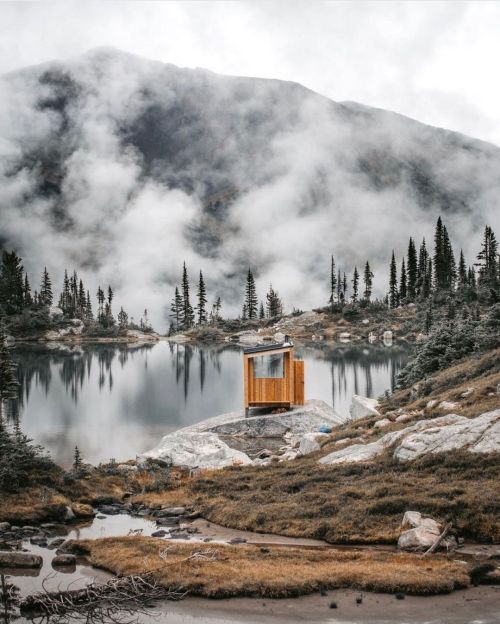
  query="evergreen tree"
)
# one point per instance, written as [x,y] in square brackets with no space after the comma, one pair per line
[274,304]
[262,313]
[176,309]
[393,283]
[244,313]
[65,298]
[462,271]
[89,315]
[28,299]
[422,267]
[439,257]
[344,287]
[450,268]
[77,460]
[251,301]
[428,320]
[333,283]
[412,272]
[122,318]
[488,262]
[11,283]
[187,317]
[215,313]
[355,285]
[368,280]
[100,305]
[402,283]
[339,287]
[82,302]
[202,301]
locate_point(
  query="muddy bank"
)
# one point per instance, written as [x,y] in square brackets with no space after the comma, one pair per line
[477,605]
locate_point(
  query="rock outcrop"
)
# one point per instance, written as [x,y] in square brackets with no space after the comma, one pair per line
[445,433]
[419,533]
[363,406]
[196,450]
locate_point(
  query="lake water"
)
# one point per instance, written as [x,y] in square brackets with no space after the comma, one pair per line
[116,401]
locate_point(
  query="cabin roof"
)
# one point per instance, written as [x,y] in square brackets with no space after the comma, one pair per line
[275,346]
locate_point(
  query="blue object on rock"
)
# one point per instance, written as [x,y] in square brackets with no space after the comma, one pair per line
[325,429]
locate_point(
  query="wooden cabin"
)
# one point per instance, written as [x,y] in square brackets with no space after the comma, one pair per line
[272,377]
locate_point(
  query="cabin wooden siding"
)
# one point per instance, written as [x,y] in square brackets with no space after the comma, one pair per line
[278,391]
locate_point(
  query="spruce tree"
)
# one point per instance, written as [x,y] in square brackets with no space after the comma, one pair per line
[28,299]
[244,313]
[89,315]
[368,280]
[45,297]
[122,318]
[488,262]
[423,258]
[412,270]
[393,283]
[333,283]
[216,308]
[402,283]
[202,301]
[339,287]
[65,298]
[439,257]
[251,301]
[12,283]
[355,285]
[344,287]
[450,268]
[462,271]
[176,309]
[274,304]
[82,301]
[187,318]
[262,313]
[100,305]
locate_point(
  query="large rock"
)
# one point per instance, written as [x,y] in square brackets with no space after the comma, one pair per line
[20,560]
[196,450]
[311,442]
[363,406]
[445,433]
[420,533]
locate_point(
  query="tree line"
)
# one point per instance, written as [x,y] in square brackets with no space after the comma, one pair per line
[74,301]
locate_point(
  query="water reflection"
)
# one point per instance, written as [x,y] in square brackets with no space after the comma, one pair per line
[118,400]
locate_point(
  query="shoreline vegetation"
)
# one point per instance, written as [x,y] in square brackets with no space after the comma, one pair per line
[454,322]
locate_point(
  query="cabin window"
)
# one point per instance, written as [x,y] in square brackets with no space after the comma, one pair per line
[269,366]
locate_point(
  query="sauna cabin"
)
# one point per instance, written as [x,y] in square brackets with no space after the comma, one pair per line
[272,376]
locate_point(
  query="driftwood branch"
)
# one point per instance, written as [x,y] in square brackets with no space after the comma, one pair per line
[106,602]
[438,540]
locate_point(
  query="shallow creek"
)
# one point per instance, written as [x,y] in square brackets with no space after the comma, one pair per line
[476,606]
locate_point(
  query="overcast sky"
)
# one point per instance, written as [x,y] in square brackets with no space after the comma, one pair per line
[434,61]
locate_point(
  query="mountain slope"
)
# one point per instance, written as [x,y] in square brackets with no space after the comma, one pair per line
[110,152]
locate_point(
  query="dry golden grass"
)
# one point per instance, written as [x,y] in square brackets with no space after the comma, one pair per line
[481,373]
[355,503]
[223,571]
[36,504]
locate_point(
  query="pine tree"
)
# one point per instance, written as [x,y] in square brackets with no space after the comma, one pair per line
[244,312]
[216,308]
[262,313]
[202,301]
[251,301]
[12,283]
[77,460]
[45,297]
[462,271]
[339,287]
[100,305]
[355,285]
[412,271]
[428,320]
[187,317]
[28,299]
[89,315]
[344,287]
[176,309]
[439,257]
[122,318]
[333,283]
[489,263]
[393,283]
[82,302]
[274,304]
[423,258]
[368,280]
[65,298]
[402,283]
[450,268]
